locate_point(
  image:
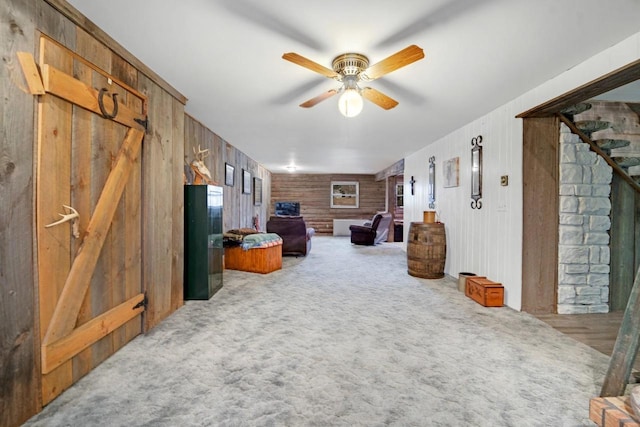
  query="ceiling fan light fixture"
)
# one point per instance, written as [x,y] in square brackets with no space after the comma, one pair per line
[350,64]
[352,68]
[350,103]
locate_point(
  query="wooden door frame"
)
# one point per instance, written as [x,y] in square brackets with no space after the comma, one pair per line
[540,214]
[539,273]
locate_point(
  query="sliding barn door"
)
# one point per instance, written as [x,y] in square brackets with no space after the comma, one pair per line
[90,131]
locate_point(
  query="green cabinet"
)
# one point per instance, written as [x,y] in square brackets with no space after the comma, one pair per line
[203,251]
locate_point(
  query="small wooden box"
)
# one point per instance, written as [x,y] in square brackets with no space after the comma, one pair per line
[612,411]
[484,291]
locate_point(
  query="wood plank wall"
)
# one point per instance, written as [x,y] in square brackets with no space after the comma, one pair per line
[19,378]
[394,170]
[625,241]
[162,210]
[239,208]
[20,23]
[540,215]
[313,192]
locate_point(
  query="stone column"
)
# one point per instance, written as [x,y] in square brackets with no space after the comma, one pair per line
[585,207]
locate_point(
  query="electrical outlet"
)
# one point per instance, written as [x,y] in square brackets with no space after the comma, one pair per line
[504,180]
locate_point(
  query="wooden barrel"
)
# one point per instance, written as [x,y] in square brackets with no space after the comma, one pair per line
[426,250]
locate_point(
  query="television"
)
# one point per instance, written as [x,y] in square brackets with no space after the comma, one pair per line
[287,208]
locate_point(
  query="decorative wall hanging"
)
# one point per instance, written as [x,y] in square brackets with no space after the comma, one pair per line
[202,175]
[476,172]
[257,191]
[451,172]
[431,185]
[246,182]
[72,216]
[229,174]
[345,194]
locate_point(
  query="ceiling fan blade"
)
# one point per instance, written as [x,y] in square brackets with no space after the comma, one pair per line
[399,59]
[307,63]
[378,98]
[313,101]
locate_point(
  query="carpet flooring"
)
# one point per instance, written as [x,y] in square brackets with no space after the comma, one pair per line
[342,337]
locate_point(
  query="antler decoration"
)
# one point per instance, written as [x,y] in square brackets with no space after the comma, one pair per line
[201,154]
[203,175]
[73,217]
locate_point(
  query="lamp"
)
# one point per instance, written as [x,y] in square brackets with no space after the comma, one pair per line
[350,102]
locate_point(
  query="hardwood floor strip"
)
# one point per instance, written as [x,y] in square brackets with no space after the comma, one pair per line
[598,330]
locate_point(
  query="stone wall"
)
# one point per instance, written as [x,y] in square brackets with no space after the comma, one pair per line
[583,252]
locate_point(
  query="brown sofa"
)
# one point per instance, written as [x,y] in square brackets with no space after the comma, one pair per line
[296,237]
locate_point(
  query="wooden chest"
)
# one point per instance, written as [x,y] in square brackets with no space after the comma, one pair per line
[256,260]
[484,291]
[612,411]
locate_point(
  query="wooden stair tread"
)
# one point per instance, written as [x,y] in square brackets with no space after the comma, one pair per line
[626,162]
[577,108]
[590,126]
[609,143]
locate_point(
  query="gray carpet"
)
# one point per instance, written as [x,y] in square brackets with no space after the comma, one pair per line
[342,337]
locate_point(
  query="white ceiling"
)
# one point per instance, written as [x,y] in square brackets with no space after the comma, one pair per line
[225,57]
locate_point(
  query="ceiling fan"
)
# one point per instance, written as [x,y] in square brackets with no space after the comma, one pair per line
[352,68]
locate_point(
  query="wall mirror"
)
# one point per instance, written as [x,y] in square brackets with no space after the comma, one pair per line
[431,184]
[476,172]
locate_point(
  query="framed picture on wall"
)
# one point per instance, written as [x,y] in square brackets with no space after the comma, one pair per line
[246,182]
[451,172]
[257,191]
[345,194]
[229,174]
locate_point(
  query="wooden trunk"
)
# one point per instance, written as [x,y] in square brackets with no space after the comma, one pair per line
[612,412]
[485,292]
[256,260]
[426,250]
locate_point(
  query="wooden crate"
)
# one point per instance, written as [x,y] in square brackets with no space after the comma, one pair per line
[612,411]
[256,260]
[484,291]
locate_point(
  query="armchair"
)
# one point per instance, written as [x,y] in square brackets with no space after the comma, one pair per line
[372,234]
